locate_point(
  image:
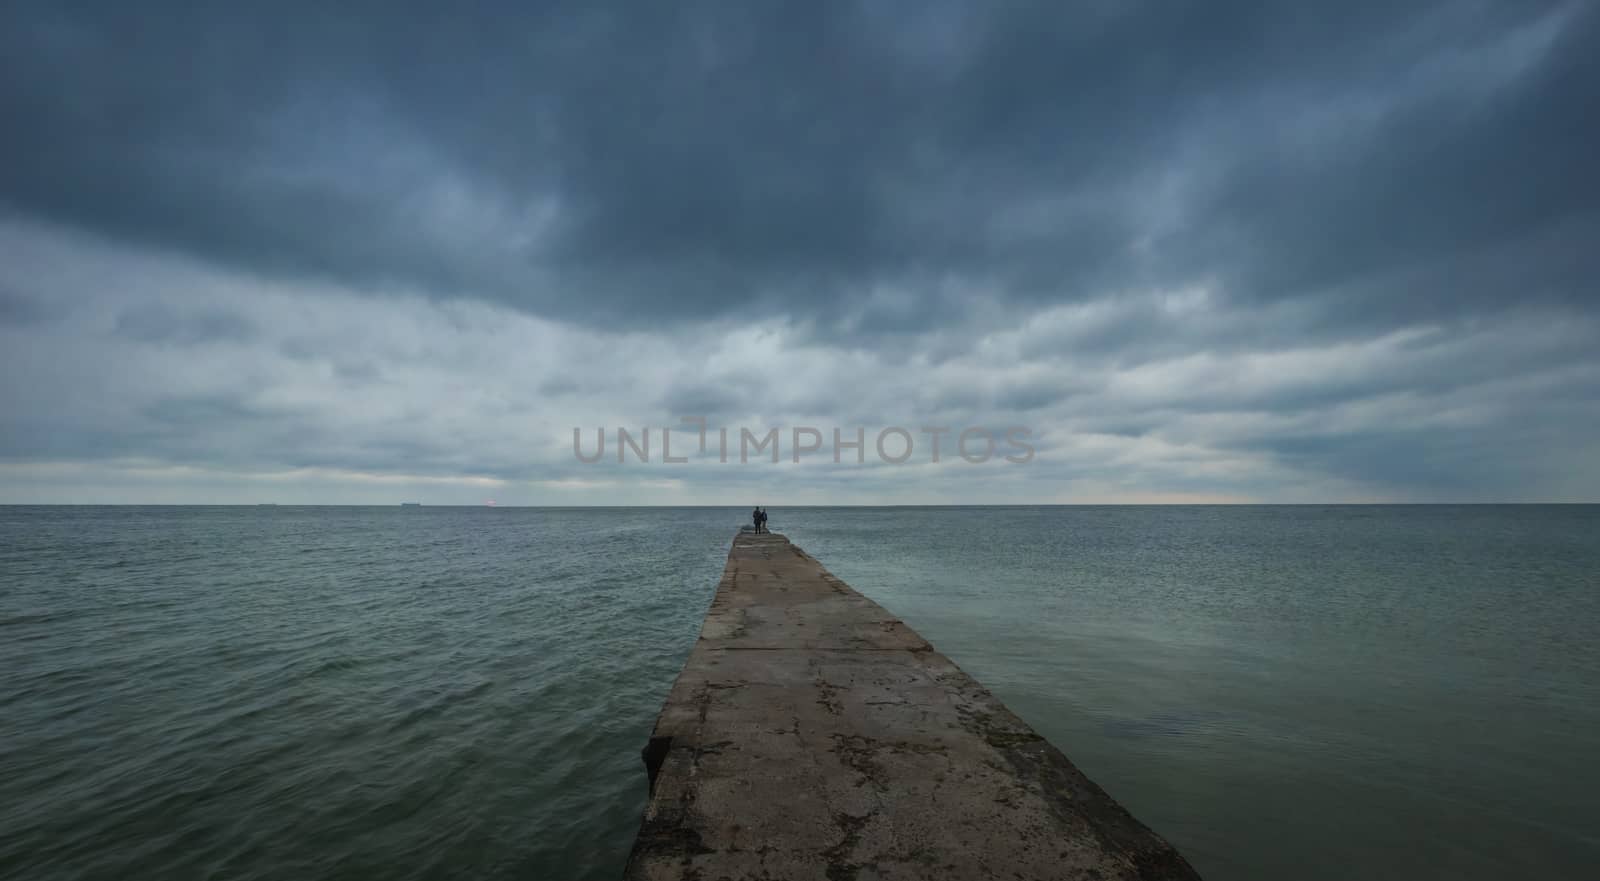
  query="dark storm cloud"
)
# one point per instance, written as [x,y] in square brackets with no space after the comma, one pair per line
[645,164]
[1285,250]
[702,399]
[1432,461]
[1434,184]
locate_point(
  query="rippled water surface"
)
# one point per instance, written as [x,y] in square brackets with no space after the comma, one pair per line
[398,693]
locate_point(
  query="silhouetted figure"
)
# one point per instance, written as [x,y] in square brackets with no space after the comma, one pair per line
[755,517]
[764,520]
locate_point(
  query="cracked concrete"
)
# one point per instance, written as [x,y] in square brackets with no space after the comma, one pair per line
[812,735]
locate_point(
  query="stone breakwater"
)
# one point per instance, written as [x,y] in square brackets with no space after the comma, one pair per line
[812,734]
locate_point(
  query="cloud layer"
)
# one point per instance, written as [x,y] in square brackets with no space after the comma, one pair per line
[1209,251]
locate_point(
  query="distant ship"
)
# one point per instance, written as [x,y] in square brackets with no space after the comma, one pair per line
[410,504]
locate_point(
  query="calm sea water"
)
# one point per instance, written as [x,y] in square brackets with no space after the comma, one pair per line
[423,693]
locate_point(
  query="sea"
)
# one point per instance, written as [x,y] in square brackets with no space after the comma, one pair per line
[305,693]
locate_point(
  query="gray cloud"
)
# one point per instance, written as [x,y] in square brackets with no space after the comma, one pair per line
[17,309]
[157,323]
[623,165]
[1240,249]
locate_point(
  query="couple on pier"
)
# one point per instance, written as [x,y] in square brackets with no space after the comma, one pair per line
[760,518]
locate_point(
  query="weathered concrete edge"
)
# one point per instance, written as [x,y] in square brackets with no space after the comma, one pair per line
[659,745]
[1066,789]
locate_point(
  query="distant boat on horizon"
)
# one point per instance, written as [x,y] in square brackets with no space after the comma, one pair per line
[410,504]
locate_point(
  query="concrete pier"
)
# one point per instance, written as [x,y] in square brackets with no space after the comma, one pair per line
[812,735]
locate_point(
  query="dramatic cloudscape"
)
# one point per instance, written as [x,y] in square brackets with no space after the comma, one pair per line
[366,253]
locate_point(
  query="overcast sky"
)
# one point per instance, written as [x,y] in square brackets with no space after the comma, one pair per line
[1211,251]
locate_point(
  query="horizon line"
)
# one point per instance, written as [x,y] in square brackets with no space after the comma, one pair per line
[763,505]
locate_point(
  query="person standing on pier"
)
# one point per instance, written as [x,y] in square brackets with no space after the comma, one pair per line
[763,527]
[755,517]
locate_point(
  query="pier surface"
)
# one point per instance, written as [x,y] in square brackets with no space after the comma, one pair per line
[813,735]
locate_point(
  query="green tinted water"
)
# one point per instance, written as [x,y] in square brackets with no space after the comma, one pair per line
[429,693]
